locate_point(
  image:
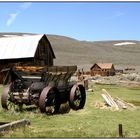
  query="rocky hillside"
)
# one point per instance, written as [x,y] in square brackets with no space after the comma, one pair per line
[69,51]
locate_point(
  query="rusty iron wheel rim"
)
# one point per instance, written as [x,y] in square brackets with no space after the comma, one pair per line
[48,102]
[77,97]
[6,104]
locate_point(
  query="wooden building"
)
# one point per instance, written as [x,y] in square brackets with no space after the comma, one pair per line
[26,50]
[30,50]
[103,69]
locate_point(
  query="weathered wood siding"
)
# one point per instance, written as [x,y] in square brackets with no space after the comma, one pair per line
[96,70]
[43,54]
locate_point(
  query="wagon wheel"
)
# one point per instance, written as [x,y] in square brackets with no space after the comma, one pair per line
[77,97]
[5,98]
[49,100]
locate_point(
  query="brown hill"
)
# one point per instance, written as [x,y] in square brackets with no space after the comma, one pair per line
[70,51]
[85,53]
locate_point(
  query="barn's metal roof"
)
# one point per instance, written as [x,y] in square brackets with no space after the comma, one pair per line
[13,47]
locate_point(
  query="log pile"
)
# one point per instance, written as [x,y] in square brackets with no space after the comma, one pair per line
[114,103]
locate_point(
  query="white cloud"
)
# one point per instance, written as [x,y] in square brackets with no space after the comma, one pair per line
[25,5]
[12,18]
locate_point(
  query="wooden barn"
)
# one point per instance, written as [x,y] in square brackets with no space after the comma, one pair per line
[103,69]
[34,50]
[28,50]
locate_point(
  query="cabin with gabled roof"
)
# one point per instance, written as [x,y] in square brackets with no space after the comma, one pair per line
[102,69]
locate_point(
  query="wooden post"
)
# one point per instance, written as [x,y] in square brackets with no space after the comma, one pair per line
[86,84]
[120,131]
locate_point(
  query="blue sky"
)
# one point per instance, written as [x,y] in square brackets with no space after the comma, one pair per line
[91,21]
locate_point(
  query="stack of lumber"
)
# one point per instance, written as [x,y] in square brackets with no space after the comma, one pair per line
[115,103]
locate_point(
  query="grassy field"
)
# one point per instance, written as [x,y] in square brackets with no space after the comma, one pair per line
[90,122]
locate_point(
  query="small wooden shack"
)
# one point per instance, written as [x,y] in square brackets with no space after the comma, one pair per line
[103,69]
[34,50]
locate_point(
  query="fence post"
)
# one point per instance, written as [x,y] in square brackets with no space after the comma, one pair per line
[86,84]
[120,131]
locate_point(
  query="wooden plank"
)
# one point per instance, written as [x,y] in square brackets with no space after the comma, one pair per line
[2,123]
[106,99]
[120,103]
[46,69]
[28,68]
[60,69]
[110,98]
[124,102]
[13,125]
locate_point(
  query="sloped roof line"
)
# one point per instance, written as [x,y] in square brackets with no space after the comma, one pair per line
[103,65]
[50,46]
[19,46]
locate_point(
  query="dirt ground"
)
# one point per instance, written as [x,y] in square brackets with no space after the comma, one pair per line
[128,79]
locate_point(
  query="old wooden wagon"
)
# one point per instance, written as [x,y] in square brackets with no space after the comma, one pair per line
[45,87]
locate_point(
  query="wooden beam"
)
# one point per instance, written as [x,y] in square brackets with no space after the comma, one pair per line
[14,125]
[112,102]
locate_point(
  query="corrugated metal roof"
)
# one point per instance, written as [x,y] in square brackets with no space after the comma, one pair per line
[19,46]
